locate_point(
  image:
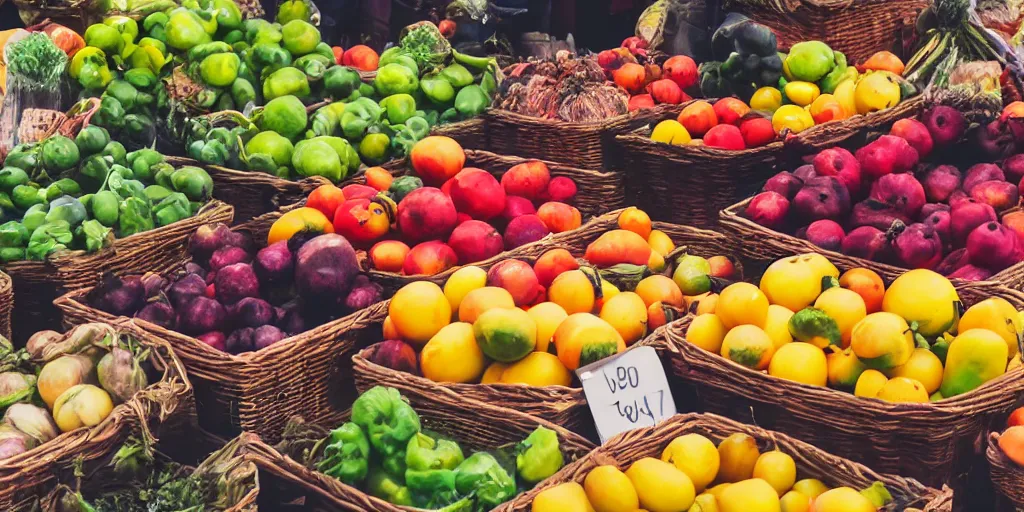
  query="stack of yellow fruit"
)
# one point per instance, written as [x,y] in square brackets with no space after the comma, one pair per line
[693,475]
[907,343]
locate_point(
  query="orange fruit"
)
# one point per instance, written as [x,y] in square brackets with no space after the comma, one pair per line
[379,178]
[698,117]
[659,288]
[868,284]
[635,220]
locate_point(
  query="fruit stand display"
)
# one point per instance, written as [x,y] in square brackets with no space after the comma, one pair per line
[6,304]
[903,349]
[606,294]
[910,199]
[142,385]
[676,465]
[1004,459]
[398,451]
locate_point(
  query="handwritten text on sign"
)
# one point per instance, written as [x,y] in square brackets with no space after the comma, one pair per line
[627,391]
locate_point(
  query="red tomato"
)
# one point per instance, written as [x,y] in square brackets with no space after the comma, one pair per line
[339,52]
[447,28]
[326,199]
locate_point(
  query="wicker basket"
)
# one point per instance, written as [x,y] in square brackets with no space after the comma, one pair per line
[858,28]
[811,462]
[38,283]
[308,374]
[932,442]
[470,134]
[689,184]
[38,123]
[6,305]
[167,403]
[1007,476]
[478,426]
[586,145]
[763,244]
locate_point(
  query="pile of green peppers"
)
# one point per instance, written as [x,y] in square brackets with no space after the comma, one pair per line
[79,194]
[385,451]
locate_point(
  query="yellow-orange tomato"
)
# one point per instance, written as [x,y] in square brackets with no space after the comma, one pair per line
[303,219]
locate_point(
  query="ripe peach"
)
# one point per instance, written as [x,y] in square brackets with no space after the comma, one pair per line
[641,101]
[561,189]
[721,266]
[529,179]
[429,258]
[725,136]
[437,159]
[730,110]
[477,193]
[426,214]
[552,263]
[666,91]
[827,108]
[1015,221]
[1015,109]
[388,255]
[915,133]
[519,279]
[559,217]
[516,206]
[630,76]
[698,117]
[523,230]
[635,220]
[681,69]
[757,131]
[475,240]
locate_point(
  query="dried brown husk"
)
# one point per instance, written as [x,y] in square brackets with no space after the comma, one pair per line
[16,387]
[14,442]
[32,420]
[120,374]
[567,88]
[88,339]
[39,341]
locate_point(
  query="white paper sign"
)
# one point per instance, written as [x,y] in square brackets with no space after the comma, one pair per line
[627,391]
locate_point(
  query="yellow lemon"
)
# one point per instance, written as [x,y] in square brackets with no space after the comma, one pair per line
[627,313]
[903,389]
[537,369]
[792,118]
[672,132]
[802,93]
[609,490]
[737,455]
[800,362]
[845,306]
[794,501]
[795,282]
[567,497]
[694,455]
[923,366]
[707,332]
[997,315]
[776,325]
[418,310]
[548,317]
[870,383]
[742,304]
[776,468]
[463,281]
[766,98]
[749,346]
[810,487]
[753,495]
[876,91]
[493,373]
[843,499]
[925,297]
[660,242]
[660,486]
[845,94]
[453,355]
[882,340]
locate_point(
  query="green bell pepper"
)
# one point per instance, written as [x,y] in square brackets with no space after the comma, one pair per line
[374,148]
[140,129]
[47,239]
[387,419]
[229,16]
[128,96]
[213,152]
[13,234]
[395,79]
[483,476]
[34,217]
[258,30]
[115,150]
[162,173]
[359,116]
[62,187]
[89,67]
[318,158]
[242,92]
[91,140]
[270,55]
[398,107]
[313,65]
[431,488]
[294,10]
[156,26]
[220,69]
[134,216]
[127,27]
[24,157]
[59,153]
[438,90]
[326,120]
[105,38]
[9,254]
[471,101]
[185,29]
[171,209]
[142,161]
[387,487]
[11,177]
[110,115]
[104,207]
[156,193]
[26,196]
[341,81]
[402,185]
[407,135]
[425,452]
[347,454]
[142,77]
[235,36]
[286,81]
[67,209]
[93,236]
[538,456]
[194,182]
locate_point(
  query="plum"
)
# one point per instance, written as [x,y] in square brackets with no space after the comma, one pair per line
[236,282]
[209,238]
[822,197]
[993,246]
[395,354]
[251,312]
[900,191]
[945,124]
[981,173]
[201,315]
[364,294]
[241,340]
[158,313]
[940,182]
[289,318]
[120,297]
[768,209]
[785,183]
[266,336]
[875,214]
[916,245]
[274,263]
[325,268]
[215,339]
[866,242]
[825,233]
[194,268]
[965,217]
[152,284]
[185,289]
[228,256]
[957,197]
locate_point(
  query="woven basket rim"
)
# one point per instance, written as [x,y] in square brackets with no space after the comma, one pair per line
[1010,382]
[523,119]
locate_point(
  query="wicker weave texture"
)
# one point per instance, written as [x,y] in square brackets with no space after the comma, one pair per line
[6,305]
[1007,476]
